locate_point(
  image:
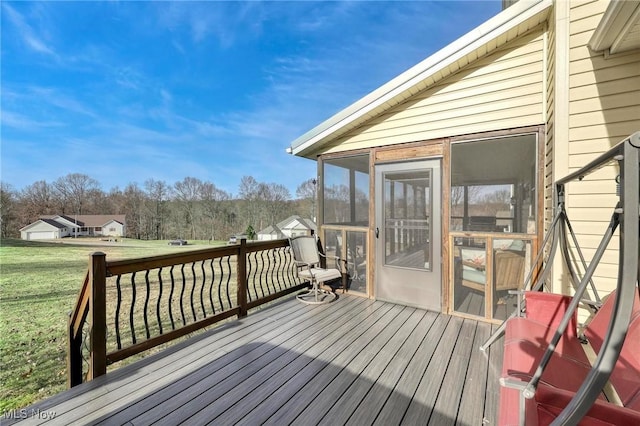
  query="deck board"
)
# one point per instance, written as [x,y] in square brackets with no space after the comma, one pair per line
[445,410]
[472,403]
[395,408]
[248,353]
[383,388]
[349,398]
[354,361]
[422,403]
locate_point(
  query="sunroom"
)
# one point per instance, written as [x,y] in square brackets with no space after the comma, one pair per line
[431,187]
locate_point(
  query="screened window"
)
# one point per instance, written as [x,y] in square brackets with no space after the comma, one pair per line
[345,190]
[493,185]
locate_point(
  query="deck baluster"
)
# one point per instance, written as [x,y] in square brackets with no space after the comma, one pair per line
[204,282]
[213,281]
[193,290]
[173,324]
[132,308]
[271,255]
[220,281]
[117,313]
[261,274]
[229,281]
[146,304]
[184,285]
[251,277]
[159,300]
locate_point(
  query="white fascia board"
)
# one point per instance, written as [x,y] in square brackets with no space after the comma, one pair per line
[31,225]
[491,29]
[615,23]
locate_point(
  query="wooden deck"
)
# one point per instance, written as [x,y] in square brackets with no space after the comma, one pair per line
[353,361]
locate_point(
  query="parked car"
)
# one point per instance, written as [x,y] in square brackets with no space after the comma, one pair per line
[178,242]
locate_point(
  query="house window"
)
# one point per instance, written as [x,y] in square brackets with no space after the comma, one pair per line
[493,185]
[98,228]
[110,229]
[345,190]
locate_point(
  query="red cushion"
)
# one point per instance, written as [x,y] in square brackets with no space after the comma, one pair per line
[521,359]
[540,334]
[549,308]
[625,377]
[549,403]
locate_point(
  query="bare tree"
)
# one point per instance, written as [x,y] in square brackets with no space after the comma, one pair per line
[275,198]
[134,199]
[37,199]
[249,191]
[187,193]
[308,195]
[212,208]
[158,193]
[8,216]
[73,190]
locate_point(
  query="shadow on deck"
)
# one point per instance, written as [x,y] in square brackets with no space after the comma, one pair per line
[354,361]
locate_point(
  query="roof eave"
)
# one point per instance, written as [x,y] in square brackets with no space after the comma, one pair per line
[499,24]
[617,22]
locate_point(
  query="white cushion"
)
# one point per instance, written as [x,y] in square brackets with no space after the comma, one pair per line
[321,275]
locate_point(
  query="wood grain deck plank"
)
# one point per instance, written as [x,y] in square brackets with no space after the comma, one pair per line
[220,398]
[496,352]
[292,398]
[122,376]
[352,393]
[386,344]
[368,409]
[176,363]
[210,390]
[355,361]
[218,368]
[423,401]
[445,410]
[471,410]
[79,401]
[275,392]
[393,410]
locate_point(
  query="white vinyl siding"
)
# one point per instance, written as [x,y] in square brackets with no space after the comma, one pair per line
[503,90]
[604,108]
[550,123]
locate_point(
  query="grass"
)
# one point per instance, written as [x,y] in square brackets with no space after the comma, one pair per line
[39,283]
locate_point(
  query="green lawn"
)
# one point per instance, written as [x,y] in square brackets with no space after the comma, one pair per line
[39,283]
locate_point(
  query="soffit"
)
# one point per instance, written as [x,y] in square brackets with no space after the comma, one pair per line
[619,28]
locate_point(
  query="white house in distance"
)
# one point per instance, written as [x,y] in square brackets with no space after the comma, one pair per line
[61,226]
[292,226]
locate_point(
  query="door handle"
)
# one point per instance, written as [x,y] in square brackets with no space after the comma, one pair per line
[377,232]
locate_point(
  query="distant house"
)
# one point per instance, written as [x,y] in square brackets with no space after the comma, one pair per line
[61,226]
[292,226]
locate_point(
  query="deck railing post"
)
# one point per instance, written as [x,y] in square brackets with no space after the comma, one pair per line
[97,314]
[242,278]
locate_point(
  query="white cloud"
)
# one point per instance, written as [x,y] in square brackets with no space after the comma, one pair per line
[23,122]
[27,33]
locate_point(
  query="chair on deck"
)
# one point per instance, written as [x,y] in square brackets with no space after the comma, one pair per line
[307,258]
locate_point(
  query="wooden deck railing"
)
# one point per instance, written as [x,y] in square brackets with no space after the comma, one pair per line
[126,307]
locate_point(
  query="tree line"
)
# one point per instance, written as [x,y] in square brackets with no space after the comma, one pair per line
[157,210]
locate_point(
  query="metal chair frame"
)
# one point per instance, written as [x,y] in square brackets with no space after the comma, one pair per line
[307,259]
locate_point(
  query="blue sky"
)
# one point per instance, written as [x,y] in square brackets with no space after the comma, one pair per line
[129,91]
